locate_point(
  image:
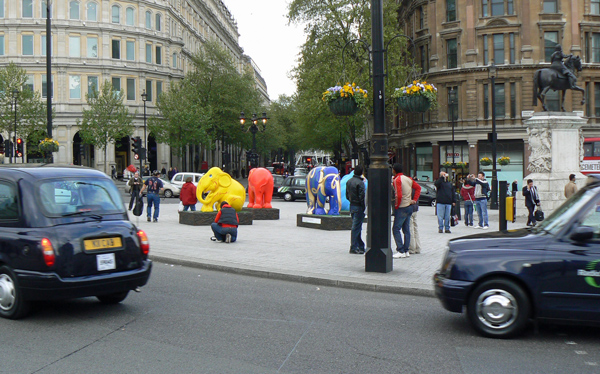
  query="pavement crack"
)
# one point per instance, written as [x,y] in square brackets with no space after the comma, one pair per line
[295,346]
[85,346]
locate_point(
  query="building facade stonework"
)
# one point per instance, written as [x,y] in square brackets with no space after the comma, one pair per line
[455,41]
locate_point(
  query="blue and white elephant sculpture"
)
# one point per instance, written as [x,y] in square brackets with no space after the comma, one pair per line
[345,202]
[323,182]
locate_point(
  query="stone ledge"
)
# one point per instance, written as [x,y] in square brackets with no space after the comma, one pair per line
[263,214]
[199,218]
[323,222]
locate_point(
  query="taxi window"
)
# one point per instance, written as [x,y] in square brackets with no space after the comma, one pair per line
[66,197]
[177,178]
[592,219]
[197,178]
[9,207]
[564,214]
[300,182]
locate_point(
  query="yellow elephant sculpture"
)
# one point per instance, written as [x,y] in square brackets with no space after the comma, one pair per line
[220,187]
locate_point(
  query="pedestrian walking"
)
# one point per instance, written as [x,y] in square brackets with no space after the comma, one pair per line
[170,173]
[163,172]
[467,192]
[355,194]
[403,188]
[154,186]
[415,241]
[532,199]
[482,189]
[226,223]
[187,196]
[135,185]
[445,200]
[515,188]
[571,187]
[113,172]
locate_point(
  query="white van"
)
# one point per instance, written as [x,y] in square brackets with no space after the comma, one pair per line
[179,178]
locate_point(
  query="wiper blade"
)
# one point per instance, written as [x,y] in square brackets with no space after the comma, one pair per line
[80,213]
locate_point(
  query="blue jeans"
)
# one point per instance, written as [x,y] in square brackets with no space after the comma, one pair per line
[469,213]
[153,199]
[402,222]
[443,214]
[482,212]
[191,207]
[358,216]
[221,231]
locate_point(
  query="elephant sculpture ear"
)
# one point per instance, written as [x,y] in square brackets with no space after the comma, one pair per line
[225,180]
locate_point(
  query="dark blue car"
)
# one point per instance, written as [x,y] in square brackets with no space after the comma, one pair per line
[550,272]
[64,233]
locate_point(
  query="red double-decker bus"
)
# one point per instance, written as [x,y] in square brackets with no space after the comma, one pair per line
[591,156]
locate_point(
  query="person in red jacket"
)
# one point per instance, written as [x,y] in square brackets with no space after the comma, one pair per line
[468,194]
[403,188]
[188,195]
[225,225]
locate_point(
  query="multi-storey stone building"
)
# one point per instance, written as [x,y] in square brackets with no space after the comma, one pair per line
[455,41]
[138,46]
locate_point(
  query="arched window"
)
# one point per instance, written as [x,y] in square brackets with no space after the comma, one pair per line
[74,10]
[116,14]
[158,22]
[129,16]
[92,11]
[148,19]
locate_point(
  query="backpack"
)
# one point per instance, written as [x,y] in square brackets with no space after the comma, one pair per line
[138,209]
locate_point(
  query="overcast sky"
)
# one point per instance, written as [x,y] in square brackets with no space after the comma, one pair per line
[266,37]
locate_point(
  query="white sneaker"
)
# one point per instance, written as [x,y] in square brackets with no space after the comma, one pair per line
[477,227]
[486,227]
[407,254]
[399,255]
[227,238]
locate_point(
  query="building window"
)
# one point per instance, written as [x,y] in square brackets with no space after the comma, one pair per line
[158,90]
[595,7]
[148,20]
[92,46]
[452,53]
[45,86]
[2,9]
[484,8]
[116,14]
[486,102]
[130,89]
[421,18]
[486,52]
[149,89]
[27,42]
[116,49]
[29,83]
[157,22]
[158,55]
[550,6]
[92,86]
[116,83]
[130,50]
[550,42]
[588,105]
[74,87]
[44,9]
[74,10]
[422,55]
[174,59]
[92,11]
[450,10]
[1,45]
[510,8]
[596,99]
[595,47]
[497,8]
[452,103]
[129,20]
[27,11]
[149,53]
[511,43]
[498,49]
[500,99]
[513,100]
[74,46]
[44,45]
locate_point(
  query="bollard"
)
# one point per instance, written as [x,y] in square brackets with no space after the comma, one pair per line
[502,185]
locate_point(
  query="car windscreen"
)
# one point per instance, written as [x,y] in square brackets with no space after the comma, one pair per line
[78,196]
[563,215]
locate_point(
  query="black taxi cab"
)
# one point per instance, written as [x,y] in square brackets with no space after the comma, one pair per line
[549,273]
[65,233]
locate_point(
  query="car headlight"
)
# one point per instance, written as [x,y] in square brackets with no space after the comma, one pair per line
[448,263]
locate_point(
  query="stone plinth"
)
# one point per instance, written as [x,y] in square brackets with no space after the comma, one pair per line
[324,222]
[263,214]
[556,144]
[199,218]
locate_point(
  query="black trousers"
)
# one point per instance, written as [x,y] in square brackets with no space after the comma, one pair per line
[134,195]
[531,217]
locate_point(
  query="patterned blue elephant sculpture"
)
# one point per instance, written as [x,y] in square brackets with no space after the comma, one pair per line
[323,182]
[345,202]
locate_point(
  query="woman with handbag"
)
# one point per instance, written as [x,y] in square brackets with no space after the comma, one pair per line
[532,199]
[468,194]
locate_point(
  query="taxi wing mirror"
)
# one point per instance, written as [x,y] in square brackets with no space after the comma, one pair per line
[582,234]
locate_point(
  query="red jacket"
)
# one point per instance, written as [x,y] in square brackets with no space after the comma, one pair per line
[467,192]
[397,189]
[188,194]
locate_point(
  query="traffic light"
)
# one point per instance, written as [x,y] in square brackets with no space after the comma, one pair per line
[136,145]
[81,149]
[19,147]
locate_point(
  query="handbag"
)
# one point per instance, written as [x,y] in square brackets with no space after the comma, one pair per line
[138,209]
[180,208]
[453,217]
[539,214]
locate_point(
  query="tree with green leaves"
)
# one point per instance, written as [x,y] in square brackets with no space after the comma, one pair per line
[31,110]
[336,51]
[107,119]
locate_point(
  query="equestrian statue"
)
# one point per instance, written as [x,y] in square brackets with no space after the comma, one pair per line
[560,76]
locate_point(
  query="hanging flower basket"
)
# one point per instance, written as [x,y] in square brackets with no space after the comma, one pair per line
[345,100]
[504,160]
[48,145]
[447,165]
[417,97]
[343,107]
[462,165]
[485,161]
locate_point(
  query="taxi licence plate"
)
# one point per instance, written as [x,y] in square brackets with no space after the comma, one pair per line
[102,243]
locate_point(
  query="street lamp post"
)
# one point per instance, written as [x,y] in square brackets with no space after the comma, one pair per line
[452,119]
[254,129]
[145,151]
[48,70]
[15,96]
[492,76]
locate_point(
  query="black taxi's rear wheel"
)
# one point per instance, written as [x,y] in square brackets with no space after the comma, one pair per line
[288,196]
[12,304]
[498,308]
[113,298]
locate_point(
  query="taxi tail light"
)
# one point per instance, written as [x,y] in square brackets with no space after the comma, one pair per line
[144,243]
[48,252]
